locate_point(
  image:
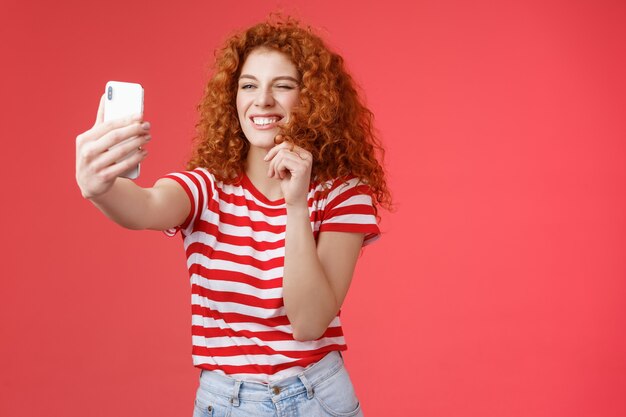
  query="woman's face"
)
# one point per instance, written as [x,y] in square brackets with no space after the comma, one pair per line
[267,92]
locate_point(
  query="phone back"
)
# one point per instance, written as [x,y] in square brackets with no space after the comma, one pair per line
[122,100]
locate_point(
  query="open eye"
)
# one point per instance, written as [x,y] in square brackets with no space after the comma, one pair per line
[247,86]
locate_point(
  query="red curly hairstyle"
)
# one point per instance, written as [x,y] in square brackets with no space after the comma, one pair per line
[330,121]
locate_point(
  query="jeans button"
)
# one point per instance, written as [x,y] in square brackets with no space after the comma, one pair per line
[276,390]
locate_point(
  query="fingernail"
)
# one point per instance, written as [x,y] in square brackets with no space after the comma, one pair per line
[148,138]
[145,126]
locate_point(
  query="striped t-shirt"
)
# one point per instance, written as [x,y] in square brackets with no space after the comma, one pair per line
[234,239]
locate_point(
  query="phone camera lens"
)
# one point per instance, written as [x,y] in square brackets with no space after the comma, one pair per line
[110,93]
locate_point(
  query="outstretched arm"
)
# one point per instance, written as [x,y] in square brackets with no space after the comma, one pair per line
[163,206]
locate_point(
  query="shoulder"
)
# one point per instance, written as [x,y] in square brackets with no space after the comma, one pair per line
[202,180]
[347,206]
[198,175]
[340,187]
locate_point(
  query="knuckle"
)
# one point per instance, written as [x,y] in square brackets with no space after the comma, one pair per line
[101,177]
[124,147]
[134,145]
[114,154]
[87,153]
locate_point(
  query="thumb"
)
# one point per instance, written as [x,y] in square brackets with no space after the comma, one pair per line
[279,139]
[100,115]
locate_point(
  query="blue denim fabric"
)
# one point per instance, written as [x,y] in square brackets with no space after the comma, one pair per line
[323,389]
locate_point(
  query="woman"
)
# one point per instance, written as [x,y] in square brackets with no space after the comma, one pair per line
[279,197]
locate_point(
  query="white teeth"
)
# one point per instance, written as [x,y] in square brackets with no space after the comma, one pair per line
[264,120]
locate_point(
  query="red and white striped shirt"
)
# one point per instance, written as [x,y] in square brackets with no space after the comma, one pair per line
[234,238]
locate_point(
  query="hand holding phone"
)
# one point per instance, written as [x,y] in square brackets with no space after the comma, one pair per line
[108,150]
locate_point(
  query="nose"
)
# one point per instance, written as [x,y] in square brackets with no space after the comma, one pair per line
[264,98]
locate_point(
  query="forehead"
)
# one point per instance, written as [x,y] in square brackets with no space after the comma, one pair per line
[269,62]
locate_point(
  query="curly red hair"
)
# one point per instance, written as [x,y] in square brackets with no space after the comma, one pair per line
[330,121]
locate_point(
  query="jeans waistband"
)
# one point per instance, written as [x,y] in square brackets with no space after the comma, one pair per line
[306,380]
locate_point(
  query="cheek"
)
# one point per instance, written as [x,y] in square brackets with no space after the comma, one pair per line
[239,104]
[241,108]
[293,101]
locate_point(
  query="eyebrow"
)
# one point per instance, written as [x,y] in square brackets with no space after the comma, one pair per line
[282,77]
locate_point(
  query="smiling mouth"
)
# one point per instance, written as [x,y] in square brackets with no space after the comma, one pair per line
[264,121]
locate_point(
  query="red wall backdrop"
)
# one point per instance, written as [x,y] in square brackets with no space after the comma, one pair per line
[499,286]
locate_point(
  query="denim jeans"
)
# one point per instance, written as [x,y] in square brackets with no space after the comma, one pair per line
[323,389]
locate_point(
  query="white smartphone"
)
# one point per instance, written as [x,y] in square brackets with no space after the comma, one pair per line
[122,100]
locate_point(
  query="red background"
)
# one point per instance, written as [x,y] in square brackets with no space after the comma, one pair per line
[498,287]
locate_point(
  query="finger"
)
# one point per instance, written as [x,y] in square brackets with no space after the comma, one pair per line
[121,134]
[119,153]
[121,167]
[299,165]
[288,166]
[302,154]
[270,168]
[101,129]
[278,168]
[276,157]
[298,152]
[100,114]
[272,172]
[284,162]
[272,152]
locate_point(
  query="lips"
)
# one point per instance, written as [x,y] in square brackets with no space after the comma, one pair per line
[265,121]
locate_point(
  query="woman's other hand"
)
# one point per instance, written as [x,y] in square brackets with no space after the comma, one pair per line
[96,164]
[292,166]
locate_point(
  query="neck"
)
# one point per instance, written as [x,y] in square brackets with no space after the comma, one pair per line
[256,170]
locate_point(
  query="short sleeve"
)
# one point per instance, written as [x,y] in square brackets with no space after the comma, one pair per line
[198,185]
[349,208]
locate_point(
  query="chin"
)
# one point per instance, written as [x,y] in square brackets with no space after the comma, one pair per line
[264,140]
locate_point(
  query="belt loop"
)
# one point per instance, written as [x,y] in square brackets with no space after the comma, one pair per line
[235,399]
[309,389]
